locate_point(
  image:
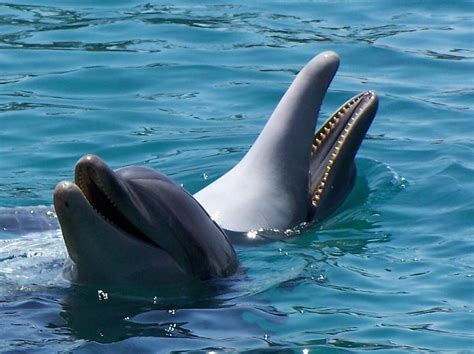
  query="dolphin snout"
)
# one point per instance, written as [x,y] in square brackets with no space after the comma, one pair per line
[65,196]
[91,163]
[60,193]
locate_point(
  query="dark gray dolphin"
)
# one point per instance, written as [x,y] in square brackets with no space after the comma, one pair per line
[135,225]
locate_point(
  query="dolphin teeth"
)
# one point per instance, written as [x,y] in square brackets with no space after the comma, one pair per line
[329,128]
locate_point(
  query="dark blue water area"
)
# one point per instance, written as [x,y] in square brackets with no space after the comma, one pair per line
[185,88]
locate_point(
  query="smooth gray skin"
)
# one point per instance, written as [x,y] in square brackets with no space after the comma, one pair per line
[168,236]
[23,220]
[159,234]
[268,188]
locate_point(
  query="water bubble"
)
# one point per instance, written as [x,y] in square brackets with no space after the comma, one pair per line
[321,278]
[252,234]
[102,295]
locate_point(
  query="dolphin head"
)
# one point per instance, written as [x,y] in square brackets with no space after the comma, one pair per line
[291,174]
[136,226]
[335,144]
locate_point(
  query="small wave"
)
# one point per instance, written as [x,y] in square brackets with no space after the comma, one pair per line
[32,262]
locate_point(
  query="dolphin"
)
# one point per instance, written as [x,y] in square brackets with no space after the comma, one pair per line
[137,226]
[289,175]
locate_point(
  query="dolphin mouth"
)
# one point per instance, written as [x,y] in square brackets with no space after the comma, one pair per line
[338,138]
[92,176]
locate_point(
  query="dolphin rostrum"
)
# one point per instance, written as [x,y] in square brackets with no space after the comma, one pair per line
[137,226]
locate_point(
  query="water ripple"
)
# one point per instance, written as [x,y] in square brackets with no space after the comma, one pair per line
[185,88]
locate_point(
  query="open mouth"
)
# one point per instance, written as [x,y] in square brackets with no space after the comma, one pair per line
[333,135]
[90,183]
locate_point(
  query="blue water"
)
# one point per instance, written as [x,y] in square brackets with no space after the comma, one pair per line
[185,87]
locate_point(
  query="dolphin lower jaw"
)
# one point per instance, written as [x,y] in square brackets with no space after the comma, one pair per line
[337,141]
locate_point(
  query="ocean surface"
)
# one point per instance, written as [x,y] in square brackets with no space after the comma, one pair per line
[185,87]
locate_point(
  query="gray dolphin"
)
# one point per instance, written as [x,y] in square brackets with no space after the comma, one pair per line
[135,225]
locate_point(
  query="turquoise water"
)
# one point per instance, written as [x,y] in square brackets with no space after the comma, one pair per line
[185,88]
